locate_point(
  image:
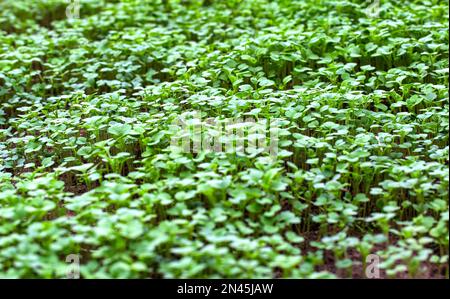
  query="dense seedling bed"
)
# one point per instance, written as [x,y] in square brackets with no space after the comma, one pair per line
[88,164]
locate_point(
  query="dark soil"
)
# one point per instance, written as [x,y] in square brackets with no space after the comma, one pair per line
[427,270]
